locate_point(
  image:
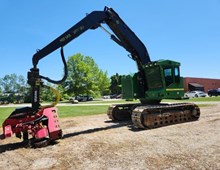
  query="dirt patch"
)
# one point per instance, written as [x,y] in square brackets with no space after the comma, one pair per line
[94,142]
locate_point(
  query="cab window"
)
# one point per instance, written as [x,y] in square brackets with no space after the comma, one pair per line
[168,76]
[177,74]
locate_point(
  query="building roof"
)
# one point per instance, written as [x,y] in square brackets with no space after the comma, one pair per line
[196,85]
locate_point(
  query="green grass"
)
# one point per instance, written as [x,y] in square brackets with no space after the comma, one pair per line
[79,110]
[200,99]
[205,99]
[69,111]
[64,111]
[4,113]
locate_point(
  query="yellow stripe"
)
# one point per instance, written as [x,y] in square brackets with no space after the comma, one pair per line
[175,89]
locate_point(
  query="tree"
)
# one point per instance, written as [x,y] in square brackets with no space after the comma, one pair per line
[63,94]
[15,87]
[46,94]
[103,83]
[84,77]
[115,86]
[0,86]
[13,84]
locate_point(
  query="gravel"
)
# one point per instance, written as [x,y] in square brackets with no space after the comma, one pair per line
[94,142]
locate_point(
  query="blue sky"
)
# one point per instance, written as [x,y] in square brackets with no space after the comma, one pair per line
[186,31]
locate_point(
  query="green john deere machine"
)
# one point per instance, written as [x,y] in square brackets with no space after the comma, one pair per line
[164,82]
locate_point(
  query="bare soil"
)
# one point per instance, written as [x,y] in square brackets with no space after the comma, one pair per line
[94,142]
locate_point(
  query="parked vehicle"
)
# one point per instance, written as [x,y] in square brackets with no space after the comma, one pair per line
[16,98]
[193,94]
[81,99]
[106,97]
[214,92]
[115,96]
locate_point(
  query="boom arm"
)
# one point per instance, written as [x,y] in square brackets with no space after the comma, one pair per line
[124,36]
[91,21]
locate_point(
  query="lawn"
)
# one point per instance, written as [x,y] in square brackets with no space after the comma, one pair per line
[199,99]
[79,110]
[64,111]
[205,99]
[4,113]
[69,111]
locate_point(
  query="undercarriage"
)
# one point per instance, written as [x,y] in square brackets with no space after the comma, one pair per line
[153,116]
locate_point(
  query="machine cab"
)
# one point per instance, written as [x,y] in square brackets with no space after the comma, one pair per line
[163,81]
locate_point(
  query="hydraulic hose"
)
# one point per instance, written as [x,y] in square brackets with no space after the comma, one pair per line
[65,71]
[57,94]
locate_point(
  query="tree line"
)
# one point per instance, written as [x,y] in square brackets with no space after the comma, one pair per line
[84,78]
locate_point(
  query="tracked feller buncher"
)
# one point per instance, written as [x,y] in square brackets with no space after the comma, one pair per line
[39,125]
[155,81]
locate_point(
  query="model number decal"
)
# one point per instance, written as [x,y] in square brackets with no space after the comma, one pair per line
[65,38]
[78,29]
